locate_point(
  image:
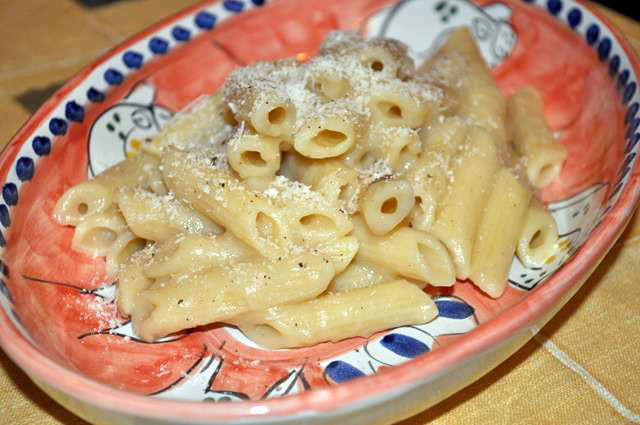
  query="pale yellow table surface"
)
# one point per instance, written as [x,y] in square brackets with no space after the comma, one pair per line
[584,367]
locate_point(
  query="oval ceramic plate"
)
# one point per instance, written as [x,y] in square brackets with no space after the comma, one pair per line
[58,320]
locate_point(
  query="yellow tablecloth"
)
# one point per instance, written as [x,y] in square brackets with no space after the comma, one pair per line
[584,367]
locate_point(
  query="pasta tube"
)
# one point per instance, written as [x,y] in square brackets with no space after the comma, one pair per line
[385,204]
[407,252]
[158,218]
[498,233]
[198,299]
[97,234]
[539,238]
[218,195]
[131,281]
[459,65]
[460,213]
[332,317]
[252,155]
[360,274]
[541,153]
[193,126]
[191,253]
[98,195]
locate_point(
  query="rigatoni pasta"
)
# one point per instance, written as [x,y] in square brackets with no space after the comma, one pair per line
[311,202]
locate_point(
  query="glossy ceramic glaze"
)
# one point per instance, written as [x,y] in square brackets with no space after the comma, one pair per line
[58,320]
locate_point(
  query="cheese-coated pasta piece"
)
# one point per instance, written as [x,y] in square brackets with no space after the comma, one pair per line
[332,317]
[394,145]
[340,251]
[459,65]
[97,195]
[542,155]
[195,125]
[407,252]
[252,155]
[192,253]
[96,234]
[399,104]
[131,281]
[158,218]
[218,295]
[360,274]
[498,233]
[460,213]
[328,134]
[385,204]
[539,238]
[124,247]
[218,195]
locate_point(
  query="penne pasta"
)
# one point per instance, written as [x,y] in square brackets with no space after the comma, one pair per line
[218,295]
[131,281]
[539,238]
[252,155]
[311,201]
[97,234]
[98,195]
[459,65]
[218,195]
[493,249]
[193,253]
[360,274]
[385,204]
[333,317]
[329,133]
[542,155]
[197,124]
[122,249]
[407,252]
[455,226]
[158,218]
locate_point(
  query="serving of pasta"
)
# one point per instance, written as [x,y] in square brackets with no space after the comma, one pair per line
[314,201]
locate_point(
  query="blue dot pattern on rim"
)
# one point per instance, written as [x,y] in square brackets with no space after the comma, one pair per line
[5,219]
[629,92]
[113,77]
[10,194]
[627,160]
[633,141]
[604,48]
[622,79]
[41,145]
[593,32]
[25,168]
[454,309]
[3,243]
[233,5]
[404,345]
[340,371]
[158,45]
[631,112]
[205,20]
[132,60]
[554,6]
[181,33]
[614,65]
[632,128]
[257,2]
[73,111]
[574,18]
[95,95]
[58,126]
